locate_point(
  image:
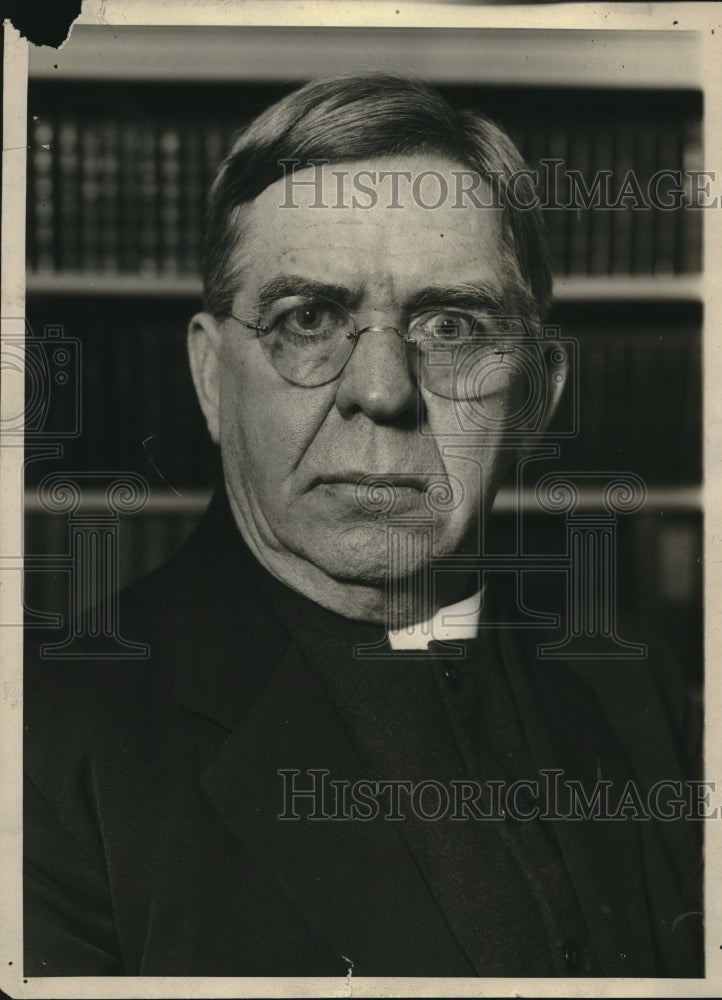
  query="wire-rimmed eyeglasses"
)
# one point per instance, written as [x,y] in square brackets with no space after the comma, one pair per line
[310,341]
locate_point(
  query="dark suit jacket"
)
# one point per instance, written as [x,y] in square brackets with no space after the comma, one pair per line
[151,833]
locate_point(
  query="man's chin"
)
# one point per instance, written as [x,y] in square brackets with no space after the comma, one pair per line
[359,555]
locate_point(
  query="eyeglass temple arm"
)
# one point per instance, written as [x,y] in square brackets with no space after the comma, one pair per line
[258,327]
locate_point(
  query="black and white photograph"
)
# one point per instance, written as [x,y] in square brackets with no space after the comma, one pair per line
[356,498]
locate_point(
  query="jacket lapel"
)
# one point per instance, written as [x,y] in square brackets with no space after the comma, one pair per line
[353,880]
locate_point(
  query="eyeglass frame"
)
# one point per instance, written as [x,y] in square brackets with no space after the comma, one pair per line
[261,329]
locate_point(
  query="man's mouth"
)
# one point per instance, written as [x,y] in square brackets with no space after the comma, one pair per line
[371,480]
[380,494]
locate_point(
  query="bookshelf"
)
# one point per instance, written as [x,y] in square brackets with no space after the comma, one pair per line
[125,130]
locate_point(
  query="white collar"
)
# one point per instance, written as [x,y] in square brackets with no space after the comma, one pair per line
[456,621]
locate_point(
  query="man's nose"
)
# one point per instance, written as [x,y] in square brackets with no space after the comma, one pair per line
[377,379]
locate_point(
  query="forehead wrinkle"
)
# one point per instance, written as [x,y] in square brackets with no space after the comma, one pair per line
[374,260]
[310,220]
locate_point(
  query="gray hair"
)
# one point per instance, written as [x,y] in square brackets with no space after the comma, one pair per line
[351,118]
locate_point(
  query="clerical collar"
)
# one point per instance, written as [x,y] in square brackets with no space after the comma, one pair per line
[456,621]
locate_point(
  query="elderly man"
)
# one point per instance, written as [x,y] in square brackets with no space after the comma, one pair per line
[246,802]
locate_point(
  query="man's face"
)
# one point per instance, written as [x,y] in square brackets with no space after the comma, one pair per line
[292,455]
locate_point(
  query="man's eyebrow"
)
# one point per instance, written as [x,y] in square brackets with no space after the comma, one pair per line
[466,295]
[285,285]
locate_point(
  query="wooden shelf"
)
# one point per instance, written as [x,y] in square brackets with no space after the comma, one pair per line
[670,499]
[619,288]
[685,288]
[112,284]
[607,59]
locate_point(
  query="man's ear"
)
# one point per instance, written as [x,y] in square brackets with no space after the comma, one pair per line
[204,348]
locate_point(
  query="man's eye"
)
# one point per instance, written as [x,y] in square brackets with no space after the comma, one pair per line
[313,319]
[443,326]
[309,317]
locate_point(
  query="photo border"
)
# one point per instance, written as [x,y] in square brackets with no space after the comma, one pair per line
[706,19]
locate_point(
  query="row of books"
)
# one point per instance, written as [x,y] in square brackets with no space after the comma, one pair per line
[623,226]
[126,197]
[640,404]
[127,403]
[119,196]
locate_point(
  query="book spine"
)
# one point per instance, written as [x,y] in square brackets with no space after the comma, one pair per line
[123,422]
[645,153]
[622,216]
[600,237]
[556,195]
[129,241]
[215,146]
[68,154]
[580,216]
[109,213]
[592,373]
[691,396]
[534,142]
[44,205]
[90,145]
[666,216]
[155,387]
[688,259]
[192,199]
[169,196]
[147,188]
[615,404]
[650,406]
